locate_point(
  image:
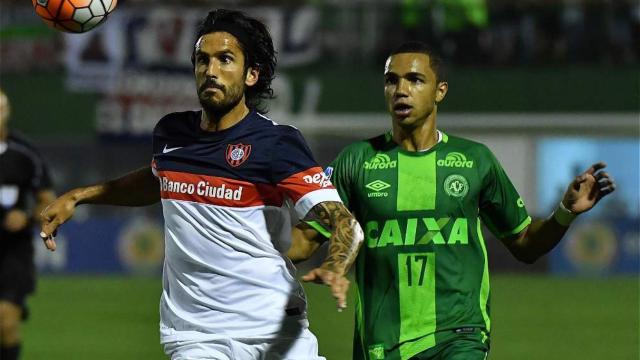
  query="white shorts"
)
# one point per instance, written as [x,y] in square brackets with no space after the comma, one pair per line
[302,347]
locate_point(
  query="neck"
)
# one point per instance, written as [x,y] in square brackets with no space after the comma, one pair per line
[417,138]
[213,121]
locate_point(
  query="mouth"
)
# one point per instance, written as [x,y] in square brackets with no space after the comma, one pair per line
[210,88]
[402,110]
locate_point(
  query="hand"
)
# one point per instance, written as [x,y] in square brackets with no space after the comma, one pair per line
[15,220]
[56,214]
[588,188]
[337,282]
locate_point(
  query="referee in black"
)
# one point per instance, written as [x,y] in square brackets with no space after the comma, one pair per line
[25,189]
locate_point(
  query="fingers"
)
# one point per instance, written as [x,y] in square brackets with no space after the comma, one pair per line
[313,276]
[50,243]
[606,184]
[592,171]
[48,233]
[49,228]
[603,177]
[339,290]
[595,167]
[338,284]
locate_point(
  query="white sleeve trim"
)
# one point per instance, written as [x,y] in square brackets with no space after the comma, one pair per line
[313,198]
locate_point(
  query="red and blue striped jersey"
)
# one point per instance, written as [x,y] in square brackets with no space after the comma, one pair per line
[222,196]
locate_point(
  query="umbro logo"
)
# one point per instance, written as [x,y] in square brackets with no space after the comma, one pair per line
[168,150]
[377,186]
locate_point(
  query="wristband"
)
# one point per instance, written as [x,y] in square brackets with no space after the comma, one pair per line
[563,215]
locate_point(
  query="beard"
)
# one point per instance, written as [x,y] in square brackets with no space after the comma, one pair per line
[232,97]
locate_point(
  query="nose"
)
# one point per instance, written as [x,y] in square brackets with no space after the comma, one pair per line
[402,88]
[212,69]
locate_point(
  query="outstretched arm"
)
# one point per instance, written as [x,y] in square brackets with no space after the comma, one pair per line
[345,239]
[138,188]
[584,192]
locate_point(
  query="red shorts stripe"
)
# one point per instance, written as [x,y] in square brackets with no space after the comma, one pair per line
[214,190]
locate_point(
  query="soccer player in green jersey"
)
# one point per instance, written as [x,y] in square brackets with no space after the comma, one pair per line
[421,196]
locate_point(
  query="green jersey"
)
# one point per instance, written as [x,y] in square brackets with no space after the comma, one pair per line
[422,272]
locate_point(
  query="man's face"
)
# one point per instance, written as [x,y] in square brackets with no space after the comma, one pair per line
[4,115]
[220,74]
[411,89]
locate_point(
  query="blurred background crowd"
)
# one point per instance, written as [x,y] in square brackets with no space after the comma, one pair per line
[471,32]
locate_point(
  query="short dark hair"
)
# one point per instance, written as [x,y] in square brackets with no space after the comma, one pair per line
[435,60]
[256,44]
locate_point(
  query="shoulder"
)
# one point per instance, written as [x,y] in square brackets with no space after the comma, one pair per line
[364,148]
[24,150]
[265,123]
[280,135]
[354,155]
[467,146]
[175,121]
[17,137]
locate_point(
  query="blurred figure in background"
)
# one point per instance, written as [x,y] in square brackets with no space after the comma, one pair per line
[25,189]
[465,23]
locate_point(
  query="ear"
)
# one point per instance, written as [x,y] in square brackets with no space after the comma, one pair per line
[441,91]
[252,76]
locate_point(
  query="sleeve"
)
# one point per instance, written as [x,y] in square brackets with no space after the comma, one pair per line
[339,172]
[42,175]
[156,146]
[295,173]
[502,209]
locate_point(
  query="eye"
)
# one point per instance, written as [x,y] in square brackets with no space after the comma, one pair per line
[390,80]
[226,59]
[416,80]
[202,59]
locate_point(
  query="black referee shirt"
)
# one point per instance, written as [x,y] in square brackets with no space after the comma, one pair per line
[22,174]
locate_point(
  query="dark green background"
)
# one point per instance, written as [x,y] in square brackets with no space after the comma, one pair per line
[42,107]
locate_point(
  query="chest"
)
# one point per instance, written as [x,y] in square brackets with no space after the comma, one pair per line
[16,175]
[245,157]
[392,185]
[16,169]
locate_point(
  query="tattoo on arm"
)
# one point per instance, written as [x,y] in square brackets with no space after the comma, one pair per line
[346,234]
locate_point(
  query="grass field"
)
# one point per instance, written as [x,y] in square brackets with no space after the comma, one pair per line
[533,317]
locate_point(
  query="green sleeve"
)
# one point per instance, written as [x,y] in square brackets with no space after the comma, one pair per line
[502,209]
[339,172]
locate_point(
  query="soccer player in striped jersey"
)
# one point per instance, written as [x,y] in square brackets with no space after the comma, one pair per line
[222,174]
[421,196]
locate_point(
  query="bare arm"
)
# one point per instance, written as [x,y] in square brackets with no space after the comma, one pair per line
[346,235]
[305,240]
[344,243]
[584,192]
[138,188]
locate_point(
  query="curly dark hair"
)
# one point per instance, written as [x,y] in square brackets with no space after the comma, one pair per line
[257,47]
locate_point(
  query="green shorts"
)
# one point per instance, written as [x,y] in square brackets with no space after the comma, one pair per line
[473,345]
